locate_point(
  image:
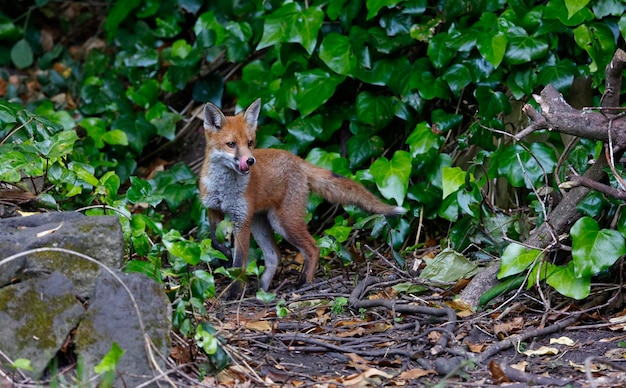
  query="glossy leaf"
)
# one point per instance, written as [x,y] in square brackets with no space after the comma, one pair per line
[573,6]
[392,176]
[315,87]
[517,258]
[291,23]
[374,6]
[492,47]
[423,140]
[336,52]
[453,178]
[594,249]
[374,110]
[566,282]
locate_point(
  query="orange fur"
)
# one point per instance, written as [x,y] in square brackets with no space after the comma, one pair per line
[267,190]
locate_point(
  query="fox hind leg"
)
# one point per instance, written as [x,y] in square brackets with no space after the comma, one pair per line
[264,236]
[295,231]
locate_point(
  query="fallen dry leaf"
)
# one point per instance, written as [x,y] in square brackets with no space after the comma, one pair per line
[617,354]
[474,348]
[508,327]
[520,366]
[562,341]
[542,351]
[497,374]
[595,368]
[362,379]
[415,373]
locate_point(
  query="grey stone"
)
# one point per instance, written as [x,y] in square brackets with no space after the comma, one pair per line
[36,316]
[113,317]
[100,238]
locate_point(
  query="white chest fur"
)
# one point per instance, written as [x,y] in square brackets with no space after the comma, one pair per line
[225,191]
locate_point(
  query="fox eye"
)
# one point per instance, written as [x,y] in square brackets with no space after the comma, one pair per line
[231,144]
[250,143]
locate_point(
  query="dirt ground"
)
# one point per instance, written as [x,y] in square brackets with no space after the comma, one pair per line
[353,329]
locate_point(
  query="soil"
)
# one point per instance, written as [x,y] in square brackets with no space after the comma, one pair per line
[354,328]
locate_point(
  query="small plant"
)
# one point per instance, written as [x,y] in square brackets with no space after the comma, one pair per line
[339,305]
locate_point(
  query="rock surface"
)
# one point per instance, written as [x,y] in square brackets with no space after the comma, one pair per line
[114,317]
[98,237]
[40,296]
[36,317]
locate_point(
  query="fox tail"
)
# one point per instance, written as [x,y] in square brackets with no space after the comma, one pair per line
[338,189]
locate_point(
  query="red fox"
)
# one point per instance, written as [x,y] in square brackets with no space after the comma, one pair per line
[267,190]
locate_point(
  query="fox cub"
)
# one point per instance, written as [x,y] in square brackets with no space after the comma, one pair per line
[267,190]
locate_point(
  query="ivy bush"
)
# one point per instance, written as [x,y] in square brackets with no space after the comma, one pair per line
[414,99]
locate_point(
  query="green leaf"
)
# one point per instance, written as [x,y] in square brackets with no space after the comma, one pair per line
[362,147]
[593,204]
[565,281]
[516,258]
[141,191]
[517,164]
[573,6]
[458,77]
[392,176]
[373,6]
[523,48]
[180,247]
[121,9]
[594,250]
[597,39]
[22,54]
[337,54]
[290,23]
[209,31]
[492,47]
[423,140]
[111,360]
[448,266]
[315,87]
[453,178]
[491,103]
[115,137]
[23,364]
[561,75]
[374,110]
[438,52]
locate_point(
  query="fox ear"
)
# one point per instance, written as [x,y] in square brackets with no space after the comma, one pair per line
[214,119]
[251,114]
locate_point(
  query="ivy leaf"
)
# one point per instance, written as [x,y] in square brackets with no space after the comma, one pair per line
[515,259]
[292,24]
[457,76]
[523,48]
[373,6]
[209,31]
[22,54]
[110,360]
[594,250]
[374,110]
[565,281]
[422,140]
[561,75]
[315,87]
[438,51]
[362,147]
[491,103]
[573,6]
[392,176]
[336,52]
[597,39]
[492,47]
[453,178]
[535,166]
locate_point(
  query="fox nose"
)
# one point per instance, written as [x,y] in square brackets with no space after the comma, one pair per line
[250,161]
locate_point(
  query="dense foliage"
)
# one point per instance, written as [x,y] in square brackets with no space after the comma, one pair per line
[414,99]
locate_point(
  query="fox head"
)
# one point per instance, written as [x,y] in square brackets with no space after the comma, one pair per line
[230,140]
